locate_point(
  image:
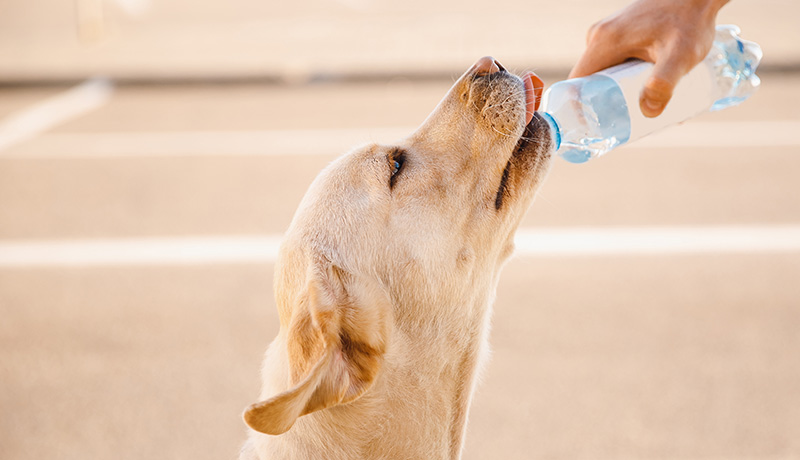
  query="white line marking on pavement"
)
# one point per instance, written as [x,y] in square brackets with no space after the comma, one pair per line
[657,240]
[776,133]
[140,251]
[30,122]
[551,242]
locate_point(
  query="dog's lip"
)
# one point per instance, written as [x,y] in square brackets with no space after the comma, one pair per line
[532,88]
[521,148]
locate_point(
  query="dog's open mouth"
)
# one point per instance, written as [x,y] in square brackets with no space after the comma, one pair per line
[526,141]
[504,103]
[533,87]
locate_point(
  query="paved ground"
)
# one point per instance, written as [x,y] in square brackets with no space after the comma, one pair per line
[616,356]
[297,40]
[658,352]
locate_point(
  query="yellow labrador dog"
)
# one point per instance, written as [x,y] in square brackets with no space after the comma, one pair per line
[387,275]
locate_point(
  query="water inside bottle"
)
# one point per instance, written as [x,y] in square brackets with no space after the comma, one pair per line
[738,74]
[594,118]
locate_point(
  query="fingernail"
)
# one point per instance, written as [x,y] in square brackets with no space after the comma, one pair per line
[652,107]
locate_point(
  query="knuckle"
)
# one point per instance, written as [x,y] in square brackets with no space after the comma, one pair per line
[601,30]
[691,50]
[699,51]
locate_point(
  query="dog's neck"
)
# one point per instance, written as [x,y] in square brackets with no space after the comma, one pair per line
[417,408]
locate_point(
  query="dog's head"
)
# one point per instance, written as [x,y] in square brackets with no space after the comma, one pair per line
[392,234]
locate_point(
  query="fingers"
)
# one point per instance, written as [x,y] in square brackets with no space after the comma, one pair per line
[590,63]
[596,58]
[658,89]
[602,52]
[673,35]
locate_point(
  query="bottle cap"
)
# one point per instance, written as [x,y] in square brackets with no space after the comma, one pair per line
[554,128]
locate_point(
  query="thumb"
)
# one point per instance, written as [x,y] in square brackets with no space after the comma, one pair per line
[658,88]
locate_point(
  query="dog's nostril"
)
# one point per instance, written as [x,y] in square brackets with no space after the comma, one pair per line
[486,66]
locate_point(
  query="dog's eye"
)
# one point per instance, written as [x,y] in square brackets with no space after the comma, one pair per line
[397,162]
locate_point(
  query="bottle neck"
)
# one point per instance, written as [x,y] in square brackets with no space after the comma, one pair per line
[555,130]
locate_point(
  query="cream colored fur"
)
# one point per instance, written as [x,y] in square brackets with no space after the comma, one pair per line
[384,287]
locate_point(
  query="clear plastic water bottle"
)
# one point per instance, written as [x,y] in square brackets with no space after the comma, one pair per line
[595,114]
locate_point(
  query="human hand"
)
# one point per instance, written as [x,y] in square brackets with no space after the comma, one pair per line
[673,34]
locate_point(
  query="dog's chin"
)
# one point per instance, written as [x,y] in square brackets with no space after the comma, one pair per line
[505,102]
[526,164]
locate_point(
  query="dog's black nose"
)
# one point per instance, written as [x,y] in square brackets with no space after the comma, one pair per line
[487,66]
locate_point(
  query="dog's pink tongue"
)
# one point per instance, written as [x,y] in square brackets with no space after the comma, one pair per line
[534,86]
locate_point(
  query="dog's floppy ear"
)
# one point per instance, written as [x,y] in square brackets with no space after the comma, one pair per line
[336,341]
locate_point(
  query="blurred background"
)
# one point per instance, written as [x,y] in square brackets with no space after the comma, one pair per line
[153,151]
